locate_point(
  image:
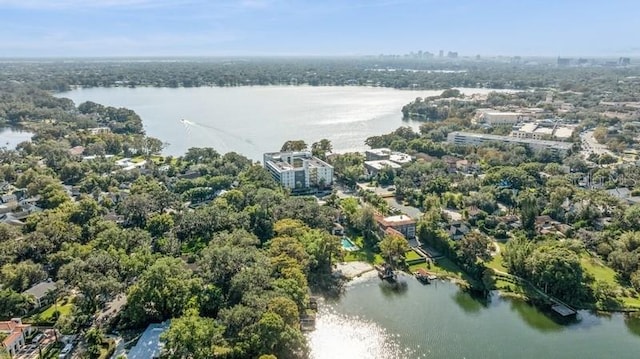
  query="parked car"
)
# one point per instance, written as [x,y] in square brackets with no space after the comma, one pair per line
[37,339]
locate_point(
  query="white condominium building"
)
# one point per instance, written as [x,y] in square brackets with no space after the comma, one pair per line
[298,170]
[469,138]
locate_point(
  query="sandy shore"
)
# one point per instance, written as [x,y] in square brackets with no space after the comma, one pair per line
[351,270]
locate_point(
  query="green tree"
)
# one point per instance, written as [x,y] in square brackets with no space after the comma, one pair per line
[321,148]
[393,247]
[192,336]
[95,338]
[294,145]
[161,292]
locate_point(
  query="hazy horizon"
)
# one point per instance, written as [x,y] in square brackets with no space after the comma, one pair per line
[332,28]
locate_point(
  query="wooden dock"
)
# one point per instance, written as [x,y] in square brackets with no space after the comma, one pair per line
[424,276]
[385,272]
[563,310]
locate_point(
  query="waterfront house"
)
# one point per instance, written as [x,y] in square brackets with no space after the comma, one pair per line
[403,224]
[457,230]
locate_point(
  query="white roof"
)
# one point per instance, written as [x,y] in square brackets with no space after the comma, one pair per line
[380,164]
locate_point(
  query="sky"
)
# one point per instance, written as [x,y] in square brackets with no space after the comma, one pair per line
[117,28]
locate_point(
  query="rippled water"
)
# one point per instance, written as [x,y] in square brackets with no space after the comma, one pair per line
[376,320]
[254,120]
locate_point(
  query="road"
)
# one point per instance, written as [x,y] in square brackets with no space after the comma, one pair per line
[591,145]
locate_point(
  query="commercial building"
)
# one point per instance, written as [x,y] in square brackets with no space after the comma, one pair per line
[298,170]
[544,130]
[14,333]
[474,139]
[495,118]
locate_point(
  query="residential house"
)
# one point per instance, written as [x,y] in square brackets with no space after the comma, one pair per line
[512,221]
[457,230]
[404,224]
[76,151]
[373,168]
[8,198]
[547,225]
[16,334]
[41,293]
[451,163]
[9,218]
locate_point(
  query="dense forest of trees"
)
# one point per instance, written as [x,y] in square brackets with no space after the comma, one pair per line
[362,71]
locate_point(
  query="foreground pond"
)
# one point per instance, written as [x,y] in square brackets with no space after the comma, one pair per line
[373,320]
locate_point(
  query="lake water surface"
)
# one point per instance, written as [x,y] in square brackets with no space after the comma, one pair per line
[373,320]
[254,120]
[11,137]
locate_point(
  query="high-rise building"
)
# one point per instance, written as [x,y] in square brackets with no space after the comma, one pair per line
[299,170]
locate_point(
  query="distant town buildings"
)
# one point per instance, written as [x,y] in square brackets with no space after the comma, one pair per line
[469,138]
[298,170]
[99,130]
[544,130]
[495,118]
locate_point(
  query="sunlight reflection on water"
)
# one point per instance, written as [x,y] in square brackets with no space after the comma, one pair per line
[342,336]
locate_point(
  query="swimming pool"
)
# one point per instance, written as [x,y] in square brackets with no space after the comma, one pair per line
[349,246]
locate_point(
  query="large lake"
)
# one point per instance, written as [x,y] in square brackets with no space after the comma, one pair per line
[254,120]
[373,320]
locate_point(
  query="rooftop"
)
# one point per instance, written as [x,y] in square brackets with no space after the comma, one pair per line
[380,164]
[400,219]
[41,289]
[149,345]
[486,137]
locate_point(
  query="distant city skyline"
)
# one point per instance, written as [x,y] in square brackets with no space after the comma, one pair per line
[144,28]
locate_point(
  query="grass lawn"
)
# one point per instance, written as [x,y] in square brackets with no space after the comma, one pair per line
[597,269]
[410,255]
[48,315]
[601,272]
[415,267]
[496,261]
[364,255]
[444,267]
[62,307]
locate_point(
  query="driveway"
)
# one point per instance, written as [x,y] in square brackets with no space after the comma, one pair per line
[412,212]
